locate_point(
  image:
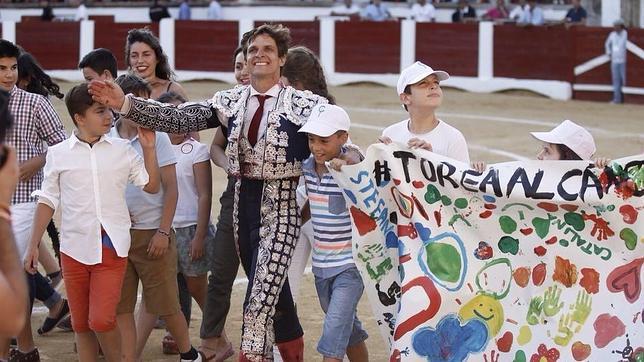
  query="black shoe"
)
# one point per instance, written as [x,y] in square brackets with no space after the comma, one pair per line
[50,323]
[66,324]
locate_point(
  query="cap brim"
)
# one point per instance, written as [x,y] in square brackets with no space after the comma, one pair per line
[318,129]
[548,137]
[441,75]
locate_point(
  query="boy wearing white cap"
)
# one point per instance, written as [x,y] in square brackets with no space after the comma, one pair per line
[420,93]
[337,280]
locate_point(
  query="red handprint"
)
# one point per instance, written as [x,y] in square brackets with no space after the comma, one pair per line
[600,230]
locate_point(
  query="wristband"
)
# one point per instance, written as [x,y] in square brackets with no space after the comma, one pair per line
[165,233]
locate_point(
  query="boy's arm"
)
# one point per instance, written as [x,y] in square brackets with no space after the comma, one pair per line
[42,217]
[161,240]
[29,167]
[306,212]
[148,141]
[48,125]
[203,181]
[218,150]
[48,201]
[49,129]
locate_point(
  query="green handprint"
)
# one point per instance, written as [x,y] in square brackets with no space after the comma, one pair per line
[551,305]
[581,309]
[534,310]
[565,322]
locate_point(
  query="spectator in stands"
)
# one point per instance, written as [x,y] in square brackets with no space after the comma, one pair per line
[423,12]
[517,13]
[158,12]
[576,14]
[377,11]
[499,12]
[616,49]
[47,11]
[81,12]
[464,12]
[532,15]
[214,11]
[184,10]
[347,8]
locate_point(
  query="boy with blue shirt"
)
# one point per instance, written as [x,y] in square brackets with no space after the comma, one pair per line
[337,280]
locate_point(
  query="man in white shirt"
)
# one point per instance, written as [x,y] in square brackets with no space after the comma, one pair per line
[616,49]
[420,93]
[214,11]
[517,13]
[423,12]
[81,12]
[348,8]
[86,177]
[532,14]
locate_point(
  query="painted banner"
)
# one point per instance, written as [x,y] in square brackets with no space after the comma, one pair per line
[528,261]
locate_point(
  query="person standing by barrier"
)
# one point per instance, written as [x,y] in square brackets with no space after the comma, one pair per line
[616,49]
[265,154]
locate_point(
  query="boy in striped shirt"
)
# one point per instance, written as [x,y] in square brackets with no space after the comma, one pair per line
[337,280]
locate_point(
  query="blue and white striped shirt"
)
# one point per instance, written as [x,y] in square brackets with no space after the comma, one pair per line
[331,223]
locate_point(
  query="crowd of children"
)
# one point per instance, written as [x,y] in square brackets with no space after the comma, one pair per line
[133,186]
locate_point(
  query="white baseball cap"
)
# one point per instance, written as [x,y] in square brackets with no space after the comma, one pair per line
[571,135]
[415,73]
[325,120]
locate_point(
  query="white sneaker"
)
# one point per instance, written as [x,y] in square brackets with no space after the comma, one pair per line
[200,358]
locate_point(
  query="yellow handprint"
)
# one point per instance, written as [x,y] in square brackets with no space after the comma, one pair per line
[581,309]
[565,322]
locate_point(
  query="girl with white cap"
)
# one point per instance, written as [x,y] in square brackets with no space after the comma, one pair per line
[567,142]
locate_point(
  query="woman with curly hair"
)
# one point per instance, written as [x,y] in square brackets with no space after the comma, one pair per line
[145,58]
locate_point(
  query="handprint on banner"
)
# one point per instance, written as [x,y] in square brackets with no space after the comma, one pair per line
[600,230]
[551,305]
[565,330]
[580,312]
[581,309]
[534,310]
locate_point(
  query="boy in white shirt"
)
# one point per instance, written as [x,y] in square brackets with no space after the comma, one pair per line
[153,253]
[86,176]
[420,93]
